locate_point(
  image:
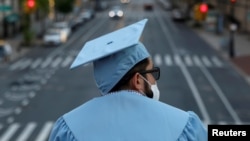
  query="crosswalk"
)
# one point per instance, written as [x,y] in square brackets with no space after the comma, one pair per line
[42,63]
[187,60]
[31,131]
[159,60]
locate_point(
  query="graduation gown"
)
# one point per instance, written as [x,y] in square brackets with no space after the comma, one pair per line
[128,116]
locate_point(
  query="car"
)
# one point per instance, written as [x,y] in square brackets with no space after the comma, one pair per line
[53,37]
[125,1]
[116,12]
[178,14]
[76,23]
[148,6]
[64,29]
[5,50]
[87,14]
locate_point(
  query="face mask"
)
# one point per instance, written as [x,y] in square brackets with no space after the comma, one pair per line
[154,89]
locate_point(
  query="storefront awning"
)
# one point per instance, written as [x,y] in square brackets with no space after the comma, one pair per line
[11,18]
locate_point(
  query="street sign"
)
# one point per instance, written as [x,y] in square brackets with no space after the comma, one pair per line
[4,8]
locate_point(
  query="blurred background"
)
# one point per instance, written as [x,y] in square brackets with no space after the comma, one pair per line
[201,46]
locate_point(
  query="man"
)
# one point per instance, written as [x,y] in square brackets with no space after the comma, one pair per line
[128,109]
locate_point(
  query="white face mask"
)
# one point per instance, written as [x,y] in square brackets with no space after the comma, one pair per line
[154,89]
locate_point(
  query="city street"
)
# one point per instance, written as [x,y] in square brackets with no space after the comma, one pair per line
[39,87]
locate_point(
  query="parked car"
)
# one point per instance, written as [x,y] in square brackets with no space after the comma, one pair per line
[76,23]
[5,50]
[116,12]
[179,15]
[53,37]
[148,6]
[125,1]
[87,14]
[64,29]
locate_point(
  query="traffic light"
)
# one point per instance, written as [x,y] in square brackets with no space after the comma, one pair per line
[233,1]
[203,8]
[31,4]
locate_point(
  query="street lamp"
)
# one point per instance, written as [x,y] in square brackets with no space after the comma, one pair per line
[233,28]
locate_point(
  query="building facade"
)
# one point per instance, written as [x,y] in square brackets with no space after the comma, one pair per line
[9,17]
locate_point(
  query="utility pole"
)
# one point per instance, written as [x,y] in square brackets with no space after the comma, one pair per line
[233,28]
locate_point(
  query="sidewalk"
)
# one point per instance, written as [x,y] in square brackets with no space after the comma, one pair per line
[15,42]
[17,49]
[241,61]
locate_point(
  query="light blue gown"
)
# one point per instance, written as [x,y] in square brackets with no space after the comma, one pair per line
[128,116]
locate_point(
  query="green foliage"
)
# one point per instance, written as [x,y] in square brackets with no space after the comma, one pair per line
[43,5]
[64,6]
[28,37]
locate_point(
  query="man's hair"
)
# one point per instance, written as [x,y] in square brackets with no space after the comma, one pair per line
[141,66]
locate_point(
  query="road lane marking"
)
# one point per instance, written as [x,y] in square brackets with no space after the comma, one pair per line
[194,90]
[221,95]
[197,60]
[185,72]
[177,59]
[206,61]
[188,61]
[22,64]
[10,132]
[27,132]
[56,62]
[44,133]
[16,64]
[25,64]
[168,60]
[46,62]
[217,61]
[36,63]
[157,60]
[67,61]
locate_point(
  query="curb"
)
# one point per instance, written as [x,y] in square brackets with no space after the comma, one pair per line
[224,54]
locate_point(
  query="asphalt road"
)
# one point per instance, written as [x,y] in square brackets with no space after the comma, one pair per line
[39,87]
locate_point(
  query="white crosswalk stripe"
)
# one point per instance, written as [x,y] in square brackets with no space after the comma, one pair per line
[56,62]
[168,60]
[159,60]
[46,62]
[197,60]
[188,60]
[27,132]
[19,64]
[217,62]
[206,61]
[43,63]
[177,59]
[10,132]
[36,63]
[67,61]
[45,132]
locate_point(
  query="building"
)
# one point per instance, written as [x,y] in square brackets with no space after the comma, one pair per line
[235,11]
[9,17]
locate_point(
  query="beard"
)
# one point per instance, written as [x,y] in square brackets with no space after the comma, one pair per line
[148,91]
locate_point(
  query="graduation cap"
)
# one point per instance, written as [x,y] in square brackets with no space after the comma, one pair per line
[113,55]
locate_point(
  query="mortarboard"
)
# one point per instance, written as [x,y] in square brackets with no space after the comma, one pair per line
[113,55]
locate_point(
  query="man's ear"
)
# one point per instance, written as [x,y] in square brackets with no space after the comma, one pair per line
[136,82]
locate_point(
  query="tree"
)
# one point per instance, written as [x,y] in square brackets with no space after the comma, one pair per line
[64,6]
[31,7]
[43,5]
